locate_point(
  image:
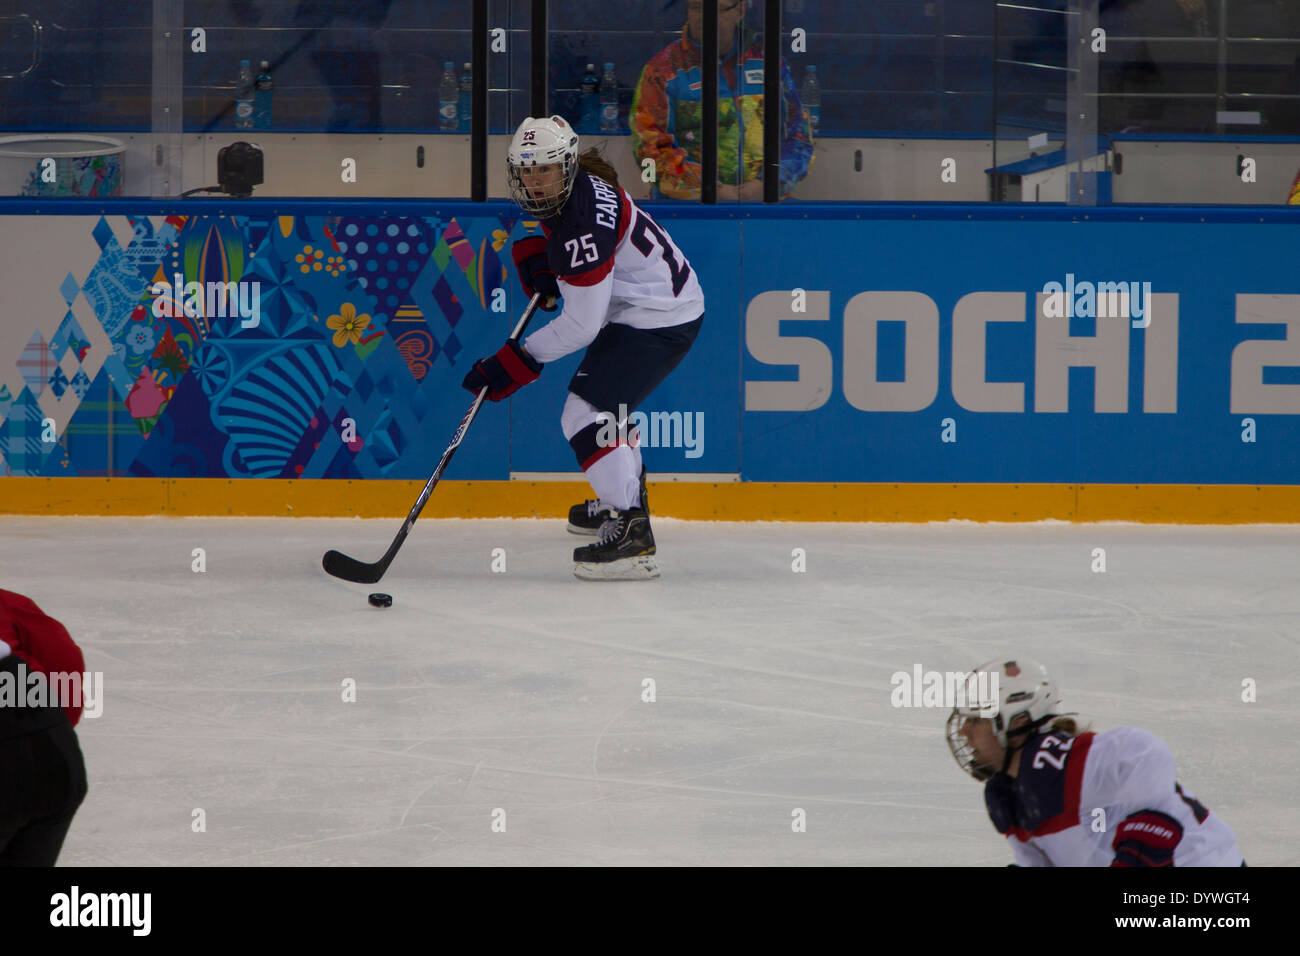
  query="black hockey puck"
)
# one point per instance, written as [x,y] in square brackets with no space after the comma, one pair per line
[381,600]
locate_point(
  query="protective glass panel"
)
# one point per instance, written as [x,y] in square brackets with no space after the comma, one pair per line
[609,65]
[1031,74]
[75,81]
[1190,101]
[742,116]
[509,84]
[1200,100]
[901,98]
[343,98]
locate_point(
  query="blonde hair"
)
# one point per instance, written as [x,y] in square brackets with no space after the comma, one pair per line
[1068,726]
[592,162]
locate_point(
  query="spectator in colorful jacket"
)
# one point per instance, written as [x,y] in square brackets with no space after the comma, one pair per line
[1294,199]
[667,112]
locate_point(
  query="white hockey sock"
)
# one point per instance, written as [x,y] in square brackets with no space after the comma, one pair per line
[616,478]
[615,475]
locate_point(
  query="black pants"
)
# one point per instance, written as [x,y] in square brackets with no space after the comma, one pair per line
[624,365]
[42,783]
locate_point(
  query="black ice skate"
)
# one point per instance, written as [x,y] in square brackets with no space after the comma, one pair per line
[625,551]
[587,517]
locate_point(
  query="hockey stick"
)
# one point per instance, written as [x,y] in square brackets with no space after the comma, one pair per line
[350,569]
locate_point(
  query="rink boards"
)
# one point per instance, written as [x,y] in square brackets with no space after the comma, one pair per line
[856,363]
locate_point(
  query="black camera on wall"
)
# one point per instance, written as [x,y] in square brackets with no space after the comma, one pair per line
[239,169]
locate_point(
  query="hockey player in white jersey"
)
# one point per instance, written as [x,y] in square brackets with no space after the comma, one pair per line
[1066,798]
[630,299]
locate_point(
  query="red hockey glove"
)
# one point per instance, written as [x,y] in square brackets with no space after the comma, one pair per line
[1147,838]
[504,373]
[535,272]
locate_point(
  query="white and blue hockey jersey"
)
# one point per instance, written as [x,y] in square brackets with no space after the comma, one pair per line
[613,263]
[1104,799]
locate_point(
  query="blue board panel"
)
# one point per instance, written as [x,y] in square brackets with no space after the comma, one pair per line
[1205,266]
[841,343]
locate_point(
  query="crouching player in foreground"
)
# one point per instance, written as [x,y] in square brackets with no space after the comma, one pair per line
[1045,783]
[630,299]
[42,773]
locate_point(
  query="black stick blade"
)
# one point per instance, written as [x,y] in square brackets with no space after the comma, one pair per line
[350,569]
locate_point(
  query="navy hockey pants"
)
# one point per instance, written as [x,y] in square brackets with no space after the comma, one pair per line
[624,365]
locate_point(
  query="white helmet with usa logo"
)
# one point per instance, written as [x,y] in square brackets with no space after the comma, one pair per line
[1023,689]
[542,164]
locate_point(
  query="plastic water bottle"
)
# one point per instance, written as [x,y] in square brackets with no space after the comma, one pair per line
[589,102]
[609,100]
[263,92]
[448,98]
[464,105]
[811,96]
[244,97]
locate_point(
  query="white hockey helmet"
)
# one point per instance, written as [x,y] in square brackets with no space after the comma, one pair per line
[1024,688]
[537,145]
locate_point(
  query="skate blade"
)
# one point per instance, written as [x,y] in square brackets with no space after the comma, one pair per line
[640,568]
[589,532]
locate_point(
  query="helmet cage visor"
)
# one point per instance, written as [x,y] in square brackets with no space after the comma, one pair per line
[535,192]
[961,748]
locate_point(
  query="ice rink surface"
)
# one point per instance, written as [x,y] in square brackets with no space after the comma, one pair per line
[521,691]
